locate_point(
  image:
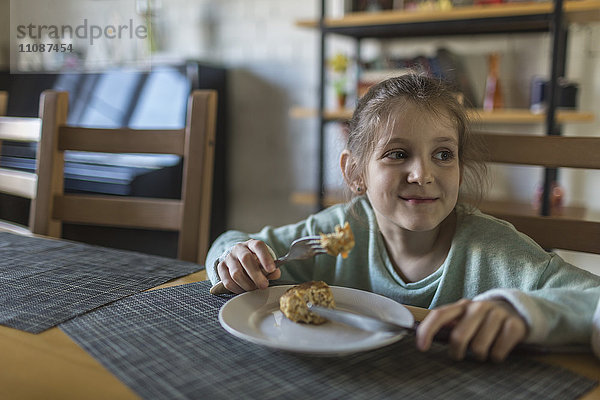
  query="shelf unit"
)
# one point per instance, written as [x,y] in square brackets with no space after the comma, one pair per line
[522,17]
[538,17]
[489,206]
[504,116]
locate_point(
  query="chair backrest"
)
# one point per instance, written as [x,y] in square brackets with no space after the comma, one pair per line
[13,181]
[190,215]
[3,102]
[551,232]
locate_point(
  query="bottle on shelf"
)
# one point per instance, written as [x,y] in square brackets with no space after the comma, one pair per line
[339,66]
[493,91]
[557,194]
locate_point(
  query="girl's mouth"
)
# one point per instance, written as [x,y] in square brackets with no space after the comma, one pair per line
[419,200]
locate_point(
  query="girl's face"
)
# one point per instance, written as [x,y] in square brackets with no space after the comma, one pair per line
[413,176]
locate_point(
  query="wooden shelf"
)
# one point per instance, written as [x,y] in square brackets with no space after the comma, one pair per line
[523,116]
[328,115]
[498,18]
[516,208]
[505,116]
[310,199]
[488,206]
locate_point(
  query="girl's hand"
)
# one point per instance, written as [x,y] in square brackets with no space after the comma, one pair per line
[488,328]
[248,266]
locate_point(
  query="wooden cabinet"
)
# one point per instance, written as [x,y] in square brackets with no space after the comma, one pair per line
[470,20]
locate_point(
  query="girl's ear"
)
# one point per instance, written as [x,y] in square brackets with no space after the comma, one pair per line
[350,173]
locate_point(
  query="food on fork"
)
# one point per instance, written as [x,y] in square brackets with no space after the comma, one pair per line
[293,302]
[339,242]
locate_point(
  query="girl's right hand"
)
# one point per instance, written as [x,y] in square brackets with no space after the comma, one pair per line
[489,328]
[248,266]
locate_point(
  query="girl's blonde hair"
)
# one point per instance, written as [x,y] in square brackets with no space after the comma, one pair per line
[376,110]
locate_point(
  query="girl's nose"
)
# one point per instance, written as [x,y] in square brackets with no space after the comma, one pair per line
[420,173]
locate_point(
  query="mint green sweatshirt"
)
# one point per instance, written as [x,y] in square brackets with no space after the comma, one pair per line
[488,259]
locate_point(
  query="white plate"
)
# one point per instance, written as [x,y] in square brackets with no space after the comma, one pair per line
[255,317]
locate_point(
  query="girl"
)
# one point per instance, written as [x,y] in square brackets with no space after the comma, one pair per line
[408,155]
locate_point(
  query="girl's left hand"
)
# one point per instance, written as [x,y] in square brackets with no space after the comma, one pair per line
[487,328]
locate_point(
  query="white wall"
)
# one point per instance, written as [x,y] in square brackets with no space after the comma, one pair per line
[272,68]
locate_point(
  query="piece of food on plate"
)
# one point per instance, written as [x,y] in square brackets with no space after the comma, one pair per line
[293,302]
[339,242]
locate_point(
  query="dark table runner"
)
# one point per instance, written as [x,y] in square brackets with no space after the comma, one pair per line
[44,282]
[168,343]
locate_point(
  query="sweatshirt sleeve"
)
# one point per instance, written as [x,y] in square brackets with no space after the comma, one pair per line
[279,240]
[562,308]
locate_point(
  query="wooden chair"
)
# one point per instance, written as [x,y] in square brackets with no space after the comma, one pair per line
[14,182]
[3,102]
[189,216]
[551,232]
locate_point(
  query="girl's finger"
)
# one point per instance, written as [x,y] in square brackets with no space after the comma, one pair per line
[487,333]
[467,328]
[513,332]
[227,280]
[260,249]
[252,268]
[435,320]
[274,275]
[238,272]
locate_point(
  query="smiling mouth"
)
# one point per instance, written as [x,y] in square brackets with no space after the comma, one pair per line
[419,200]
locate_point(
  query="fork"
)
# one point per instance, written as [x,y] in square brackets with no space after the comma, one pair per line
[300,249]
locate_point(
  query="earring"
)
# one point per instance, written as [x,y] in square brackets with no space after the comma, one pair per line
[359,189]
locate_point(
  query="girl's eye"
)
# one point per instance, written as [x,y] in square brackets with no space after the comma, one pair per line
[444,155]
[396,155]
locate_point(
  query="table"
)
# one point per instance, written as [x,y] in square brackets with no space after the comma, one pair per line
[50,365]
